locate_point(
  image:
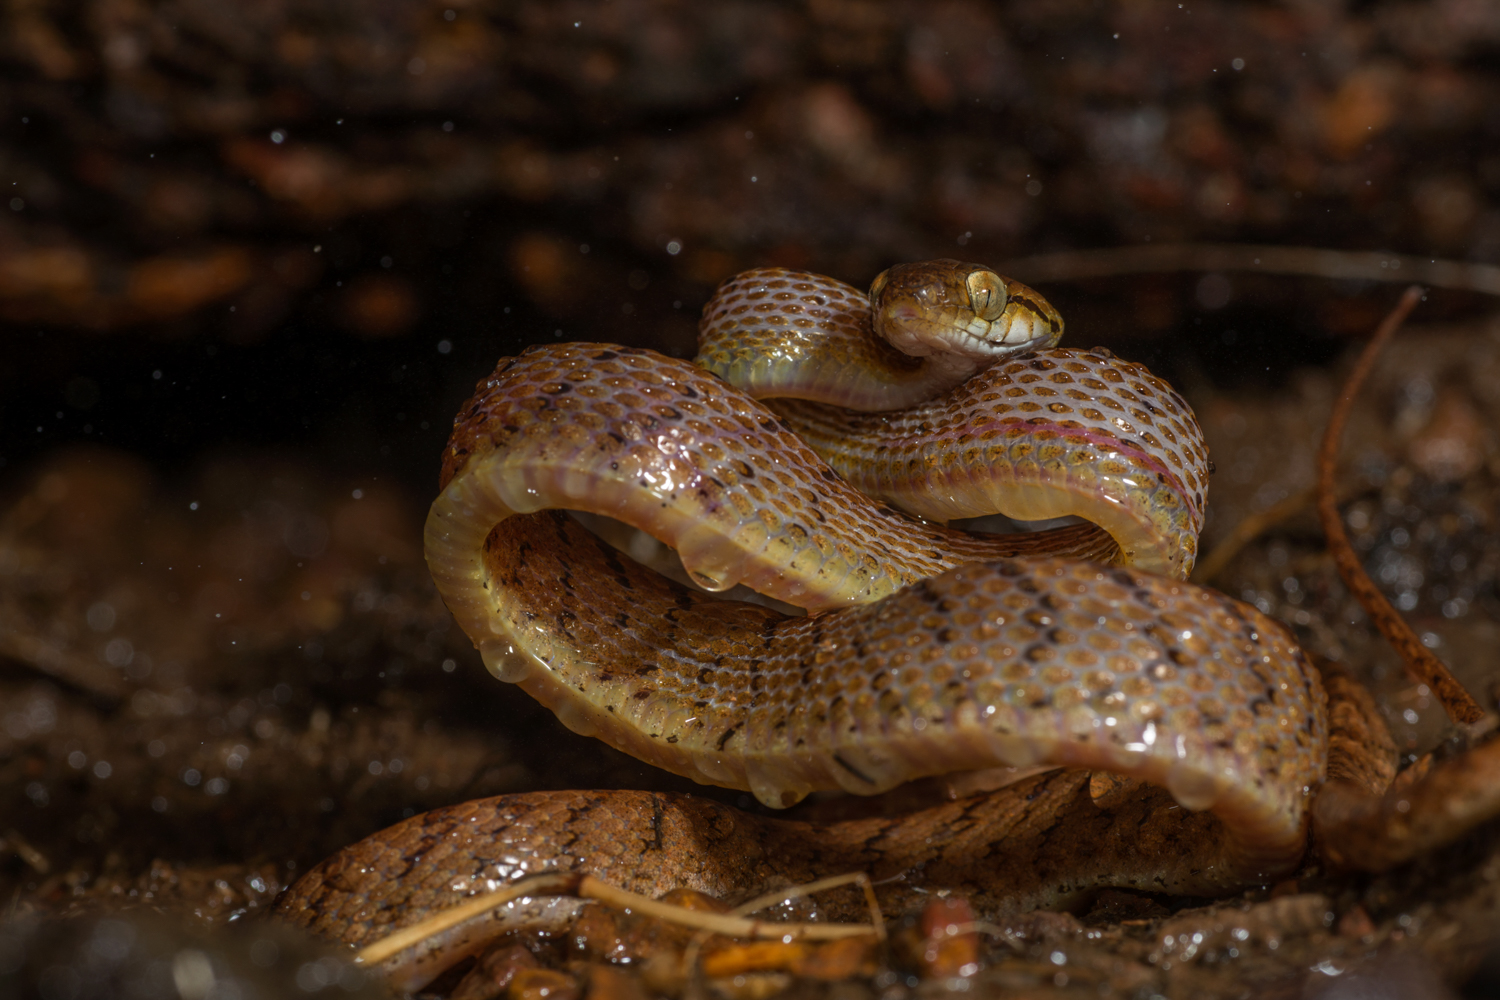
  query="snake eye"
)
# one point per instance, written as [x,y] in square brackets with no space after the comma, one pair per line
[986,294]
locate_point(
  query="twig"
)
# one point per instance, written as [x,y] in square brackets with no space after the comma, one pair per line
[37,860]
[588,887]
[1420,661]
[877,919]
[1250,528]
[693,953]
[1074,265]
[398,941]
[717,923]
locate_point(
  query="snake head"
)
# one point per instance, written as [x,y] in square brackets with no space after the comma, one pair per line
[948,307]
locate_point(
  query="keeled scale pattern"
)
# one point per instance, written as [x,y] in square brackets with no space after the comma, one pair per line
[1062,431]
[1046,660]
[1012,661]
[666,447]
[773,331]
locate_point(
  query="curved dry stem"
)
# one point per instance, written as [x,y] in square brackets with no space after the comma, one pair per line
[1420,661]
[407,937]
[1312,262]
[877,919]
[588,887]
[719,923]
[1249,529]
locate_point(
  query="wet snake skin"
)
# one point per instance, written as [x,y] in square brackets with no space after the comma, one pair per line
[776,332]
[936,650]
[929,650]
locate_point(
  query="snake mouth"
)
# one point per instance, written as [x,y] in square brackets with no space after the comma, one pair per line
[915,332]
[1017,332]
[1010,333]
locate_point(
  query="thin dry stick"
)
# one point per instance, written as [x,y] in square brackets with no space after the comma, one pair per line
[877,919]
[1074,265]
[406,937]
[1252,526]
[693,952]
[1420,661]
[729,926]
[1250,529]
[588,887]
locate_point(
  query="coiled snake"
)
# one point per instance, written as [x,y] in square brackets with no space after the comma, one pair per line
[930,649]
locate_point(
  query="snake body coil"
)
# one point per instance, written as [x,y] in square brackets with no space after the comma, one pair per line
[929,650]
[934,650]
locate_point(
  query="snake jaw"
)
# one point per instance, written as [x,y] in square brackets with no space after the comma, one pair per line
[940,308]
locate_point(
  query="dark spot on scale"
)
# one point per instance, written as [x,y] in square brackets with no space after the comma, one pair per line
[1211,469]
[725,738]
[606,356]
[768,631]
[853,770]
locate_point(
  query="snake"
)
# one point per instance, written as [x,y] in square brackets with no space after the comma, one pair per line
[815,452]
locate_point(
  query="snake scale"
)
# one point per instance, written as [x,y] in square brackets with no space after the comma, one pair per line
[927,649]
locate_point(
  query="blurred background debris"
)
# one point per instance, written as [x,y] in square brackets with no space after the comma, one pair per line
[279,208]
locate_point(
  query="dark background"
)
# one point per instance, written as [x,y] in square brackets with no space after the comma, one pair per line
[322,222]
